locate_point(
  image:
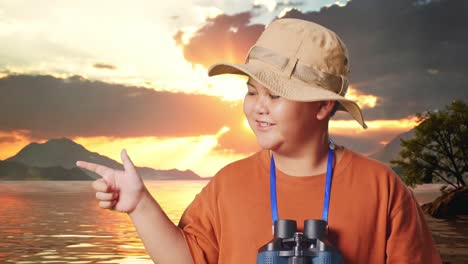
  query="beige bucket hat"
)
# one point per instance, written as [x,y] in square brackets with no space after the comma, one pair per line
[300,61]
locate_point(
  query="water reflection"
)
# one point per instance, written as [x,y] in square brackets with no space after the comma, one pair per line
[60,222]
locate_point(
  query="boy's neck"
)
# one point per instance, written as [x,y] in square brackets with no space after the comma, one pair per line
[309,161]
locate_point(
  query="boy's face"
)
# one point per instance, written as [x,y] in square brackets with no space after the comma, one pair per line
[278,123]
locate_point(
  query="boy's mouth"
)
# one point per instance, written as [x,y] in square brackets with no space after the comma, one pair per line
[263,124]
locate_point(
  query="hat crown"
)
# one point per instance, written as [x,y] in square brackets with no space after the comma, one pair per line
[309,43]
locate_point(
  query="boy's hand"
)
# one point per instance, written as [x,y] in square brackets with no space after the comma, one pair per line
[117,190]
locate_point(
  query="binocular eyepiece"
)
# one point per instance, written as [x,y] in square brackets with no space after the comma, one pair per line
[313,229]
[292,247]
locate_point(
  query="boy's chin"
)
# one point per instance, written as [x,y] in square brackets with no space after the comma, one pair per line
[268,146]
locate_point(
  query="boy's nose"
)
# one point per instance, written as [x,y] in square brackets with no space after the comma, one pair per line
[261,105]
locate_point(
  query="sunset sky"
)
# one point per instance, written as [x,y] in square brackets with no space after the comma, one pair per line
[133,74]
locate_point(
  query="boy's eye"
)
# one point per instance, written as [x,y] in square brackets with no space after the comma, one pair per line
[250,93]
[272,96]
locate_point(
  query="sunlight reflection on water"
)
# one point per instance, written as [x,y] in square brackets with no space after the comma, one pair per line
[60,222]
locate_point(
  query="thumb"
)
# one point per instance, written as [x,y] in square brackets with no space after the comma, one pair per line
[127,163]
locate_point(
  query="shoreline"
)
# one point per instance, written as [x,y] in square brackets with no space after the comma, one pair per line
[450,236]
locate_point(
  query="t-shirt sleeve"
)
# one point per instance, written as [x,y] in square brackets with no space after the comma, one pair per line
[199,224]
[409,238]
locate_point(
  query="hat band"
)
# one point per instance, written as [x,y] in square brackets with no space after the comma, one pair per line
[291,68]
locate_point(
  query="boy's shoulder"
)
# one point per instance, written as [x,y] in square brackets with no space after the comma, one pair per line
[243,169]
[362,161]
[247,163]
[372,172]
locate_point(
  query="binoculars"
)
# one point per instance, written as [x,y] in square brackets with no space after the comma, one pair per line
[291,247]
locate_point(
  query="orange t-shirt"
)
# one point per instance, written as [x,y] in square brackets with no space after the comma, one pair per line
[373,217]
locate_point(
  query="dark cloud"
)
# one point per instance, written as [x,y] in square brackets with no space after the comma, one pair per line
[410,53]
[281,5]
[359,144]
[104,66]
[223,38]
[51,107]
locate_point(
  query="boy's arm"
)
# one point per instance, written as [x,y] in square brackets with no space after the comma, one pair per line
[124,191]
[163,240]
[409,238]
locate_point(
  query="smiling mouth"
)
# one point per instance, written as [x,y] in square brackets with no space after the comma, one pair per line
[264,124]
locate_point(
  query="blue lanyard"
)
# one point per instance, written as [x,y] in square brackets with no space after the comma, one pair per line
[326,200]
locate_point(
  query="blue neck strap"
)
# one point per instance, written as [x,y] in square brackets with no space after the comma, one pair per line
[326,200]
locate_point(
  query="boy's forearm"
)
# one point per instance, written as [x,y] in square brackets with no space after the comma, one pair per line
[163,240]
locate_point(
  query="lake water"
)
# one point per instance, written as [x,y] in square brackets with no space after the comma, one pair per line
[60,222]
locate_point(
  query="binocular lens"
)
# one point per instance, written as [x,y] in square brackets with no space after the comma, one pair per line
[285,228]
[315,229]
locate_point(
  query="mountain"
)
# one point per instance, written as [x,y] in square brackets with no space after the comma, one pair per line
[392,149]
[64,153]
[57,152]
[10,170]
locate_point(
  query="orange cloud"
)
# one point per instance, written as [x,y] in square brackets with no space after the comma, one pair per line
[378,132]
[363,100]
[11,142]
[349,127]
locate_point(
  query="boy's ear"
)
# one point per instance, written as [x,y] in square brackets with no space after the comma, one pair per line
[325,109]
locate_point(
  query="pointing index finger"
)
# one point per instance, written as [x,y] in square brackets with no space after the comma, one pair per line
[103,171]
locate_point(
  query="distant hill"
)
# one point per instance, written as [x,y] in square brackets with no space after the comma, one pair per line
[61,152]
[10,170]
[64,153]
[392,149]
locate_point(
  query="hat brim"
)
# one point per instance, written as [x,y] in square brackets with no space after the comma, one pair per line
[289,88]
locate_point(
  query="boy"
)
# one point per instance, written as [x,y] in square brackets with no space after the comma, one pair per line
[297,79]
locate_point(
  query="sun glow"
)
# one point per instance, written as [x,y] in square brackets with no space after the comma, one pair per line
[245,122]
[13,141]
[197,153]
[222,131]
[349,127]
[230,87]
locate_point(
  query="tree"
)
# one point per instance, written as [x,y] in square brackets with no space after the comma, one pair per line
[439,149]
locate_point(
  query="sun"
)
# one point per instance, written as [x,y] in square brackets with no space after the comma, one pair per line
[230,87]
